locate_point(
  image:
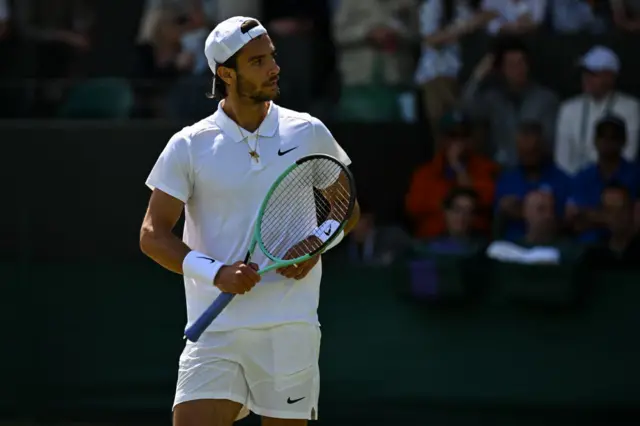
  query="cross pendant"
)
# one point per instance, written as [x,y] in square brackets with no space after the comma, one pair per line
[254,155]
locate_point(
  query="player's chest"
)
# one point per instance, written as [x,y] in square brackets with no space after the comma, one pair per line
[236,168]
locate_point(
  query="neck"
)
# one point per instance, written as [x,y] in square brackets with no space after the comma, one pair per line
[533,171]
[540,236]
[247,114]
[608,166]
[599,97]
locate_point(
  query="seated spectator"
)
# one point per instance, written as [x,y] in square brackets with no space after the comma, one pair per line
[460,209]
[535,171]
[60,33]
[626,15]
[456,164]
[541,242]
[622,247]
[574,16]
[574,147]
[442,25]
[515,17]
[374,42]
[517,98]
[371,244]
[583,210]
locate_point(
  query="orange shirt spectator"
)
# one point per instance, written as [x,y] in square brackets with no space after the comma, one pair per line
[455,165]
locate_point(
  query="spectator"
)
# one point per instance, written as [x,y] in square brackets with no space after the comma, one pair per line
[622,247]
[295,28]
[460,208]
[371,244]
[541,242]
[584,206]
[517,98]
[170,40]
[626,15]
[515,17]
[442,24]
[60,33]
[454,165]
[574,147]
[539,213]
[374,41]
[535,172]
[573,16]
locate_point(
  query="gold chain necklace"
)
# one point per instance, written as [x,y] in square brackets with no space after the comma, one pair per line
[253,153]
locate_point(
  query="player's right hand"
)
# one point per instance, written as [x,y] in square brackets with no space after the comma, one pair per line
[238,278]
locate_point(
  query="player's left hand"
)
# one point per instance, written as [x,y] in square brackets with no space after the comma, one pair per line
[300,270]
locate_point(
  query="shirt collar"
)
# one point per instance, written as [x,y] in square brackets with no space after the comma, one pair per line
[267,128]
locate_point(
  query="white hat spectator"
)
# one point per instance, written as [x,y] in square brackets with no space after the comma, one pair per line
[600,58]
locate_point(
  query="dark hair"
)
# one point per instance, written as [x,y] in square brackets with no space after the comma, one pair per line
[457,192]
[220,87]
[617,186]
[449,10]
[504,45]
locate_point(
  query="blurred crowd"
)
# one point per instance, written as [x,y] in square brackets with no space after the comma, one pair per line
[352,60]
[515,166]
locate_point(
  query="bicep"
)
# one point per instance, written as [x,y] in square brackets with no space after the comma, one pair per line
[163,212]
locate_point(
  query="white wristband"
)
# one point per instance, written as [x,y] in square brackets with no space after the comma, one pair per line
[326,231]
[200,267]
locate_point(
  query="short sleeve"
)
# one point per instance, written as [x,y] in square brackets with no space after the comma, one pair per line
[430,16]
[172,172]
[324,143]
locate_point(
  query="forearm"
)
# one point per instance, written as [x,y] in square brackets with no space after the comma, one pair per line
[164,248]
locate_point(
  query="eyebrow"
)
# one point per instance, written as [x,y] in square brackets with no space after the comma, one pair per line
[253,58]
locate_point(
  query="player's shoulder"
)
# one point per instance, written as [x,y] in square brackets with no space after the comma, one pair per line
[205,129]
[290,120]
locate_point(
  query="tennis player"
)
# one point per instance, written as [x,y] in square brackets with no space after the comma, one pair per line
[261,353]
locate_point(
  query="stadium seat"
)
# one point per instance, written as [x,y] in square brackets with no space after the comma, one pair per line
[104,98]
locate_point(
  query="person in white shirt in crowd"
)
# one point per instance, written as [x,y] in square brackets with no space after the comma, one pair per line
[515,16]
[442,24]
[574,145]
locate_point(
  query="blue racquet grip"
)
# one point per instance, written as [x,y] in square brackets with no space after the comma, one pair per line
[194,332]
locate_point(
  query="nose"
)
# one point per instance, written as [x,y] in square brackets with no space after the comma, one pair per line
[275,70]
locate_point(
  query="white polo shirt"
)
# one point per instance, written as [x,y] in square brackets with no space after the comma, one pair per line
[208,167]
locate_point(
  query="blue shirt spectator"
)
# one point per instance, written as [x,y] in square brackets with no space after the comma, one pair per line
[584,204]
[535,172]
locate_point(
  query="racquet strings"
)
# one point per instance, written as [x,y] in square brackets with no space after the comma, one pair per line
[313,192]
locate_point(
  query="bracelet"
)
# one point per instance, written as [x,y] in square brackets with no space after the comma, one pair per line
[200,267]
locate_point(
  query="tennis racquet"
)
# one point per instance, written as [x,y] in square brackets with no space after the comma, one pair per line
[304,211]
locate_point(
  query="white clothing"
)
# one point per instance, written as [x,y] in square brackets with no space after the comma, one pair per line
[575,133]
[208,167]
[445,60]
[512,10]
[272,372]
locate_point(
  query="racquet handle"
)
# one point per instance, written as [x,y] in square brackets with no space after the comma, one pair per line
[194,332]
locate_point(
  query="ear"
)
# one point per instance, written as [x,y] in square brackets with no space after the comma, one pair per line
[226,74]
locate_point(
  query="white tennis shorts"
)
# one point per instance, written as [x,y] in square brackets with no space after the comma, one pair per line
[272,372]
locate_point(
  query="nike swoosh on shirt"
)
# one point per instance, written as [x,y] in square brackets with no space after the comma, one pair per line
[281,152]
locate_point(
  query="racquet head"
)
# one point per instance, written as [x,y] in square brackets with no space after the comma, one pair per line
[317,190]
